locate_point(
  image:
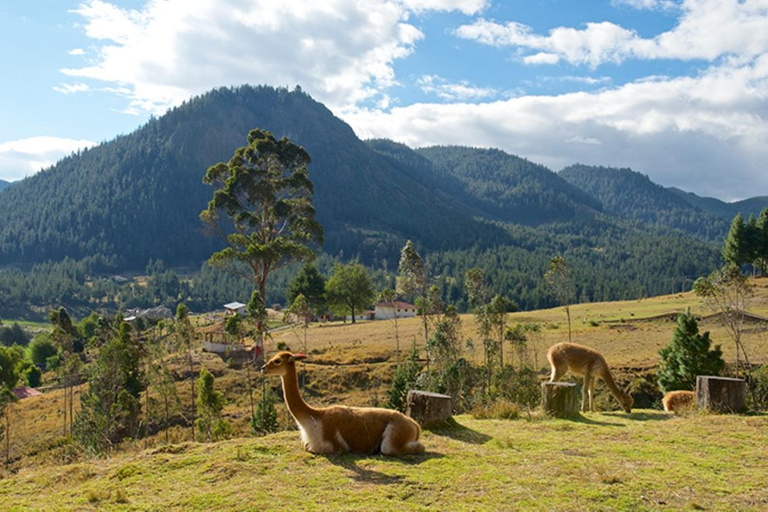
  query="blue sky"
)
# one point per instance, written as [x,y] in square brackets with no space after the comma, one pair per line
[673,89]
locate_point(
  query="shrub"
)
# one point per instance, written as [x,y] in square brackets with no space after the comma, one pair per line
[404,380]
[32,376]
[41,348]
[499,410]
[758,388]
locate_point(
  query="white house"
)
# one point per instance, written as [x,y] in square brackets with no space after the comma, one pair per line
[235,308]
[387,310]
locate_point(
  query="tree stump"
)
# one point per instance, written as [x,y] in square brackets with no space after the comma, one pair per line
[428,408]
[559,398]
[720,394]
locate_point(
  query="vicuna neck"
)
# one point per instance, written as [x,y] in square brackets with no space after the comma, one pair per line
[608,379]
[298,407]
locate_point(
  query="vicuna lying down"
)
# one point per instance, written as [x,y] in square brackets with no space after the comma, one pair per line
[589,363]
[344,429]
[677,401]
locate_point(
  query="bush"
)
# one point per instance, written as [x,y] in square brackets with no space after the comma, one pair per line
[404,380]
[758,388]
[32,376]
[521,387]
[13,335]
[41,348]
[499,410]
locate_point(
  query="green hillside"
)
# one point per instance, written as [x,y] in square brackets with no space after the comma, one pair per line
[512,188]
[727,211]
[633,195]
[138,197]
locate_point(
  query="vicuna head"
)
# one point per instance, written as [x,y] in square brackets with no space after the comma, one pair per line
[626,401]
[281,363]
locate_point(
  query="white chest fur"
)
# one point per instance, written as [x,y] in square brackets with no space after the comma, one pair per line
[312,436]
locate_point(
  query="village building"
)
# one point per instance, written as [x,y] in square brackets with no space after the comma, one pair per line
[387,310]
[235,308]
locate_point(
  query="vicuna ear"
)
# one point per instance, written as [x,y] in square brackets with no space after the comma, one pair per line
[298,357]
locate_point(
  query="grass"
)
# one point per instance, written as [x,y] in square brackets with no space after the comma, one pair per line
[609,461]
[612,461]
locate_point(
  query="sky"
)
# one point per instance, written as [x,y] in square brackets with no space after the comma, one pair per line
[676,90]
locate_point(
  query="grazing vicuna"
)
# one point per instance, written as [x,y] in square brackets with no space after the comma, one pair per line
[585,362]
[344,429]
[678,401]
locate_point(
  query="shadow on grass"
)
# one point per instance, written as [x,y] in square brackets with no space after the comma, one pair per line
[580,418]
[635,416]
[648,416]
[349,461]
[455,430]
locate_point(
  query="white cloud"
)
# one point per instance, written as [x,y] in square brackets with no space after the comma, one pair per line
[20,158]
[340,51]
[651,5]
[705,134]
[468,7]
[76,51]
[706,29]
[71,88]
[461,91]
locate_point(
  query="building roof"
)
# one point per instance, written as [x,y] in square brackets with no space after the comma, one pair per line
[234,305]
[398,303]
[25,392]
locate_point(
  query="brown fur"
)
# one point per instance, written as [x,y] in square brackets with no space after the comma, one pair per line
[677,401]
[585,362]
[344,429]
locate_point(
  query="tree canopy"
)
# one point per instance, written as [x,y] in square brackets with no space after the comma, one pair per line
[265,194]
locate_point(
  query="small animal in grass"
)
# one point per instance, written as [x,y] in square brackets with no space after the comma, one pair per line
[679,401]
[338,428]
[585,362]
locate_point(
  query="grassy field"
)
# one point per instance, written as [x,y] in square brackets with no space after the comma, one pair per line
[611,461]
[602,461]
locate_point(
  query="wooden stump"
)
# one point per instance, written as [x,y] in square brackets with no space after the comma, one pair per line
[720,394]
[559,398]
[428,408]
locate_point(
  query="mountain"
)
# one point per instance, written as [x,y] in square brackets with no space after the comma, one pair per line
[138,196]
[727,211]
[633,195]
[4,184]
[512,188]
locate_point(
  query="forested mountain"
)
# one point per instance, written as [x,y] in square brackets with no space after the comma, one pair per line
[512,188]
[633,195]
[136,199]
[727,211]
[4,184]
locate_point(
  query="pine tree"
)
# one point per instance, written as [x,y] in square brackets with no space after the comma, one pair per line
[310,283]
[761,243]
[735,248]
[264,421]
[688,355]
[209,405]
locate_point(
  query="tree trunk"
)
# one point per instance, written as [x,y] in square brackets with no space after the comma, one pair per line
[720,394]
[559,398]
[428,408]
